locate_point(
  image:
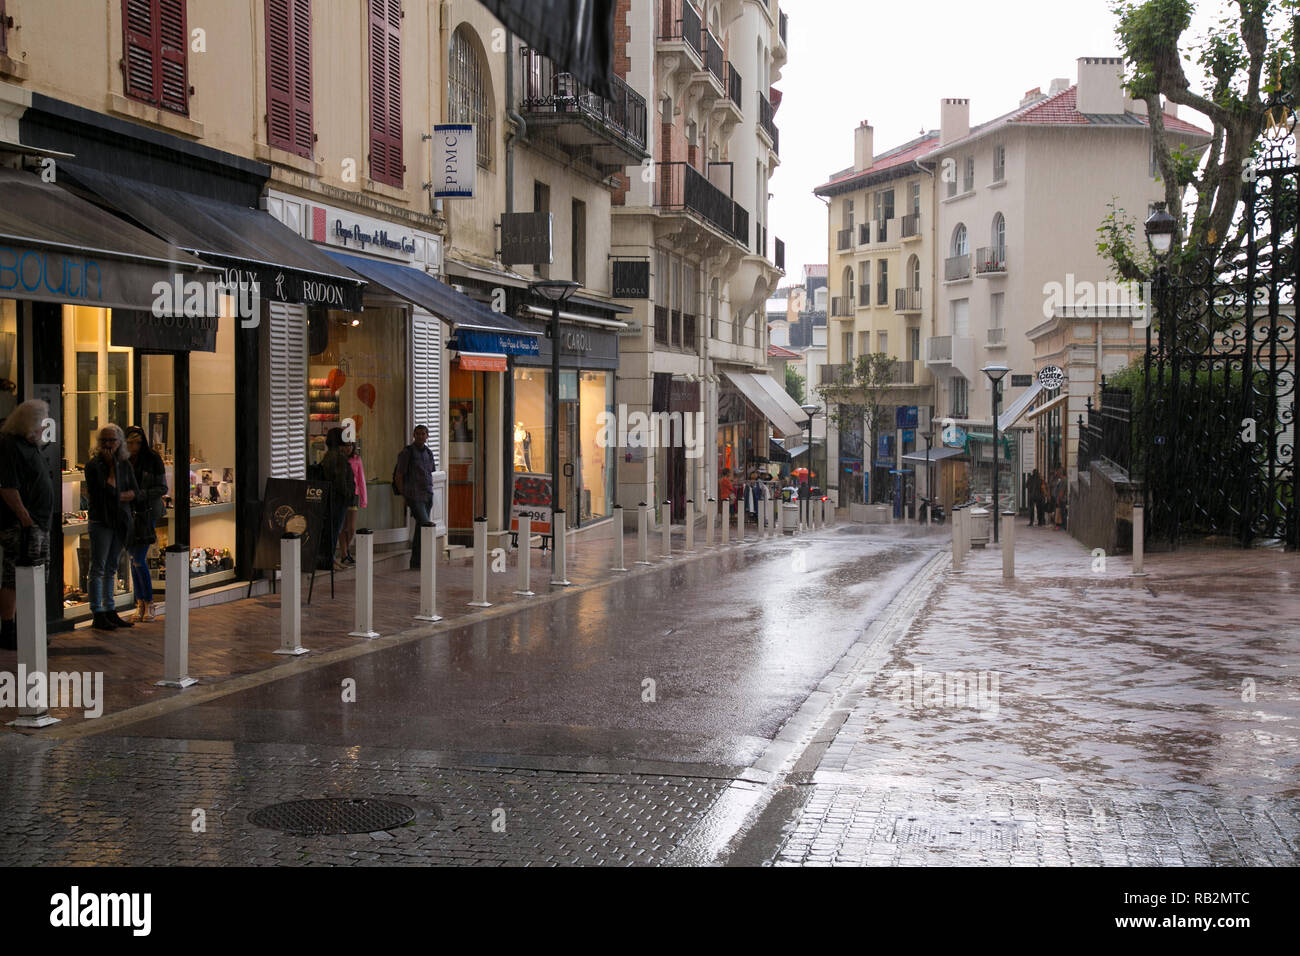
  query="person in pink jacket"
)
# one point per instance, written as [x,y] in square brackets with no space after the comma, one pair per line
[358,501]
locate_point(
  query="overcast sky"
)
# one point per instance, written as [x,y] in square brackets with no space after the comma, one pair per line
[891,62]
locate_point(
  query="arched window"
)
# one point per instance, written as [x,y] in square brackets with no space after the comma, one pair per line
[469,90]
[999,237]
[848,282]
[960,246]
[914,274]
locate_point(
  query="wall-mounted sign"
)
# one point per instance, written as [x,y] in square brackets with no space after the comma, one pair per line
[631,279]
[1021,381]
[352,233]
[1051,377]
[634,328]
[455,161]
[526,238]
[167,333]
[905,416]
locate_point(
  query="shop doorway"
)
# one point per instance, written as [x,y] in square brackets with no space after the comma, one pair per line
[466,493]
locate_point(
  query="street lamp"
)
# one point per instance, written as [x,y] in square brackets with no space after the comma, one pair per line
[928,435]
[995,373]
[1160,228]
[557,292]
[810,410]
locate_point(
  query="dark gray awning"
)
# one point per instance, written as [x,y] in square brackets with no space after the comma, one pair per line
[465,314]
[56,247]
[248,243]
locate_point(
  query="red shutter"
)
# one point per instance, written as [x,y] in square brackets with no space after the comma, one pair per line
[288,76]
[304,141]
[4,30]
[386,91]
[139,55]
[154,53]
[173,42]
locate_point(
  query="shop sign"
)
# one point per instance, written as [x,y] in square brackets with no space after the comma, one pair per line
[1021,381]
[164,333]
[631,279]
[954,436]
[526,238]
[350,232]
[48,276]
[575,340]
[1051,377]
[455,160]
[473,340]
[905,416]
[530,497]
[683,396]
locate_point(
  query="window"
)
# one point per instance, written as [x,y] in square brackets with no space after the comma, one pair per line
[846,343]
[960,247]
[950,171]
[542,203]
[957,395]
[884,205]
[864,343]
[4,31]
[848,214]
[915,190]
[914,274]
[882,284]
[997,302]
[386,92]
[999,163]
[960,317]
[713,306]
[914,345]
[469,91]
[882,343]
[578,243]
[968,180]
[998,237]
[154,66]
[288,76]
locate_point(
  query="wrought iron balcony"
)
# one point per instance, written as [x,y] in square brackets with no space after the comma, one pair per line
[610,134]
[713,61]
[781,21]
[911,225]
[864,233]
[907,300]
[735,86]
[842,307]
[990,261]
[844,239]
[956,267]
[765,122]
[832,374]
[680,186]
[681,23]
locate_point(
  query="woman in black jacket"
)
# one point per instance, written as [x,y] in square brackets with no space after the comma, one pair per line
[337,470]
[111,488]
[151,476]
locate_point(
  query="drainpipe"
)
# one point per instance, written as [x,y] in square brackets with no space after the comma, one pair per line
[934,267]
[519,127]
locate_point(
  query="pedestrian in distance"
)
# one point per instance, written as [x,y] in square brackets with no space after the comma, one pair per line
[726,490]
[1035,497]
[359,500]
[112,489]
[148,509]
[26,506]
[413,480]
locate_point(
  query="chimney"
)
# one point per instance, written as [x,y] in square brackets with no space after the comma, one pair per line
[954,120]
[1032,96]
[1059,85]
[863,145]
[1101,85]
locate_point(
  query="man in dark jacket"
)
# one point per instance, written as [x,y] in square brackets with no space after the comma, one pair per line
[26,505]
[413,480]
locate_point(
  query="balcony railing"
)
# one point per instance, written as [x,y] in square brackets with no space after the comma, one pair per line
[681,21]
[765,122]
[882,293]
[544,91]
[938,349]
[997,337]
[735,86]
[780,254]
[956,267]
[990,261]
[907,300]
[713,61]
[688,332]
[902,373]
[681,186]
[842,307]
[844,239]
[864,233]
[832,374]
[882,230]
[912,225]
[781,21]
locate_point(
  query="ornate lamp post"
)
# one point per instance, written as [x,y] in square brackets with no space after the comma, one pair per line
[1160,230]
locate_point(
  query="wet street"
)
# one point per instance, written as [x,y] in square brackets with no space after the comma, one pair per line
[840,698]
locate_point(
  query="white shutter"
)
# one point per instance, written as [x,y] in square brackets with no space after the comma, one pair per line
[961,318]
[288,390]
[426,378]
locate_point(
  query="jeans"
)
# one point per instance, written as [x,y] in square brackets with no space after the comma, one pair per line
[420,510]
[141,580]
[105,553]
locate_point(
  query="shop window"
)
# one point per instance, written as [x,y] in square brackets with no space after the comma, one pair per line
[288,76]
[154,64]
[578,242]
[386,92]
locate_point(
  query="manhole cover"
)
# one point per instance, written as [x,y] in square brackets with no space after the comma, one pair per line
[332,815]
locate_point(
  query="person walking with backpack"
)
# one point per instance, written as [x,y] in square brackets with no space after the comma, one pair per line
[413,480]
[148,509]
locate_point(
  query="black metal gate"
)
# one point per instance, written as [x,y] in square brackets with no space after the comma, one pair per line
[1217,415]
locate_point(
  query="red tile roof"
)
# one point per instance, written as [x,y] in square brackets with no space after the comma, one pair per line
[902,156]
[1063,109]
[776,351]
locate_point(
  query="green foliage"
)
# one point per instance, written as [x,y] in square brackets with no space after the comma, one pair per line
[794,384]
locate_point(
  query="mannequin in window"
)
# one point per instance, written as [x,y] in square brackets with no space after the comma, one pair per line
[523,448]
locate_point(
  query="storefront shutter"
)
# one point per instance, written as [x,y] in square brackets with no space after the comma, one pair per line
[288,390]
[426,378]
[173,40]
[288,76]
[386,91]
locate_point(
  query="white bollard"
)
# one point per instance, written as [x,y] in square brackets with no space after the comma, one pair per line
[1139,541]
[176,626]
[690,525]
[956,540]
[726,523]
[666,523]
[642,534]
[481,563]
[618,539]
[365,596]
[740,520]
[1008,543]
[29,583]
[559,557]
[710,506]
[291,595]
[524,555]
[428,574]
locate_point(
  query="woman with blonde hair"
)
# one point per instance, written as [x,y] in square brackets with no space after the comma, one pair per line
[111,487]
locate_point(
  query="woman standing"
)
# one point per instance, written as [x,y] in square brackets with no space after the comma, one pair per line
[338,475]
[151,477]
[111,488]
[358,501]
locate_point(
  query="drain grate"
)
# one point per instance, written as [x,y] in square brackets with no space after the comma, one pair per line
[958,832]
[332,815]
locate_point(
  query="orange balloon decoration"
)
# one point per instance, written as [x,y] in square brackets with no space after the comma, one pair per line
[366,393]
[335,380]
[356,422]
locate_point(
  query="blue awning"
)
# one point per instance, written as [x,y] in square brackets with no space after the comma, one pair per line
[498,343]
[440,299]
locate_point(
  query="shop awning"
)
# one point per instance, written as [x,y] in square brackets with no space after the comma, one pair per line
[1017,408]
[56,247]
[776,453]
[797,450]
[1047,406]
[249,244]
[477,328]
[939,453]
[764,402]
[782,398]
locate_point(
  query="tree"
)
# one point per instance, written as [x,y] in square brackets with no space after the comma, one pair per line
[859,394]
[794,384]
[1250,61]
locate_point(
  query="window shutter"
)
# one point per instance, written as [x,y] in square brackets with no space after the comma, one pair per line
[426,378]
[303,138]
[173,39]
[140,59]
[386,91]
[288,76]
[4,31]
[288,390]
